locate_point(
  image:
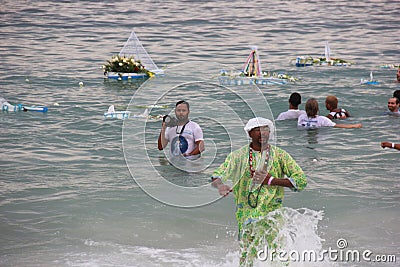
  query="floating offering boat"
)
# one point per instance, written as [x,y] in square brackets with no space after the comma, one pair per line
[133,62]
[370,81]
[122,115]
[112,114]
[304,61]
[252,73]
[35,108]
[6,106]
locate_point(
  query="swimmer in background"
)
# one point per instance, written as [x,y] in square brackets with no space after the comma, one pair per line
[294,112]
[393,106]
[312,120]
[331,104]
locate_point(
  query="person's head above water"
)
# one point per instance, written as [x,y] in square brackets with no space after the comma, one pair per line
[312,107]
[182,111]
[295,100]
[260,122]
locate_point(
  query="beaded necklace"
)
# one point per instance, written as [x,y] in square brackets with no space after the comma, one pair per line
[250,197]
[252,171]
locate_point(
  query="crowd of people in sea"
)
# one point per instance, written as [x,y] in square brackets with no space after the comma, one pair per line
[260,171]
[186,136]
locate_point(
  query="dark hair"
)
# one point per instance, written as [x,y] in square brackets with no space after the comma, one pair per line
[295,99]
[396,94]
[182,102]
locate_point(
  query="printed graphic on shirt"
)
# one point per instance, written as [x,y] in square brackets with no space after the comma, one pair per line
[179,145]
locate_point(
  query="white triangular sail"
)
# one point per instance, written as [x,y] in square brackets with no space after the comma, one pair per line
[371,77]
[134,48]
[327,52]
[111,109]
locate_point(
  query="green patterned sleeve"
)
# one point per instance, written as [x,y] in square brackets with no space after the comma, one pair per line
[222,171]
[293,171]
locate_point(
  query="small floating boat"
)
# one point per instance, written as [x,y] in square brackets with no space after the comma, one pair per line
[112,114]
[133,62]
[327,60]
[126,76]
[35,108]
[252,73]
[370,81]
[304,61]
[6,106]
[122,115]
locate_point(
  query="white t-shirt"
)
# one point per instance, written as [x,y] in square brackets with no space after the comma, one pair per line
[318,121]
[290,114]
[187,143]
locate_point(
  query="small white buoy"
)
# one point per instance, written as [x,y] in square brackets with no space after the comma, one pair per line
[56,104]
[314,160]
[81,84]
[27,80]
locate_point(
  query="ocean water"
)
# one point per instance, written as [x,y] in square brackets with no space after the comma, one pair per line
[78,190]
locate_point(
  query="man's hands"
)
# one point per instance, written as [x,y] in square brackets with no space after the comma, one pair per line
[224,189]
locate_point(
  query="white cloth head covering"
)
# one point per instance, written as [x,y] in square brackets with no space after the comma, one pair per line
[258,122]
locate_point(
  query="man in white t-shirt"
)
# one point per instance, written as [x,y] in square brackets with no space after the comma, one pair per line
[186,137]
[293,112]
[313,120]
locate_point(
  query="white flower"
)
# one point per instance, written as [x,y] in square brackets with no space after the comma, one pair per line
[120,64]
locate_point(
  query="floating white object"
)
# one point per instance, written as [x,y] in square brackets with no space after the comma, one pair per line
[327,60]
[126,76]
[370,81]
[112,114]
[252,73]
[6,106]
[134,48]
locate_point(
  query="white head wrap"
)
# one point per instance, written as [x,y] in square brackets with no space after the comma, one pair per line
[258,122]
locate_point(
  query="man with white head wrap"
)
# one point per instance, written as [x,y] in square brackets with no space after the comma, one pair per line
[258,190]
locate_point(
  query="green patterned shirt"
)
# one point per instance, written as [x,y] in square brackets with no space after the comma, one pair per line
[236,169]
